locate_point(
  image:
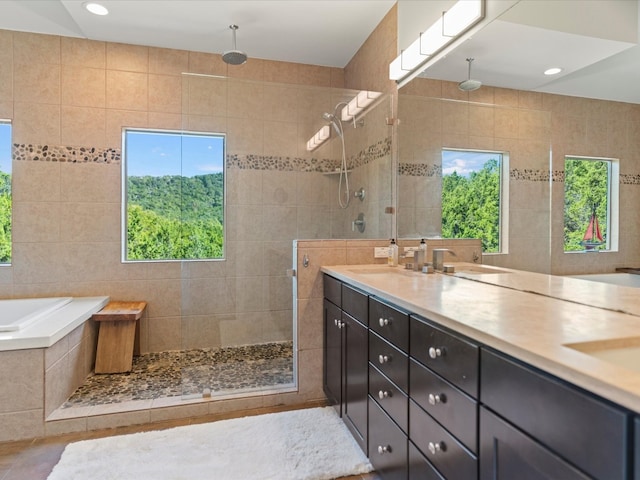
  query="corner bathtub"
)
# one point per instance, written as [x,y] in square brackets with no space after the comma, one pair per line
[41,322]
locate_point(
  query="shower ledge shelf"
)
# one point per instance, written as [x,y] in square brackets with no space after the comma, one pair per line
[336,172]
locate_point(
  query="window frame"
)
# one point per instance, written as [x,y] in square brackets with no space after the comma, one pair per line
[503,221]
[613,202]
[124,202]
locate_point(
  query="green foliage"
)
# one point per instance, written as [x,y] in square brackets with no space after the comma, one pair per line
[174,217]
[471,206]
[5,218]
[585,190]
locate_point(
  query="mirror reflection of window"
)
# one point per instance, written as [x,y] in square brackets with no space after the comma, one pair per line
[589,191]
[5,192]
[472,196]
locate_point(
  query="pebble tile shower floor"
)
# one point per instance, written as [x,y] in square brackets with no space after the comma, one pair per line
[191,373]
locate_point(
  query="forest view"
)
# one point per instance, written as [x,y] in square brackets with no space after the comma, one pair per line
[586,192]
[175,217]
[471,205]
[5,217]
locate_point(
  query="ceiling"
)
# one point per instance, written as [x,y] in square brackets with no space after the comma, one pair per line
[594,41]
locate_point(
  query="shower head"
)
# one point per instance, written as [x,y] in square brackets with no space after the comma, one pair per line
[334,121]
[469,85]
[234,57]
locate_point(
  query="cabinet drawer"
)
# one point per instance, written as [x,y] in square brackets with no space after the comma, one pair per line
[355,303]
[448,455]
[455,410]
[389,360]
[390,323]
[389,397]
[332,290]
[452,357]
[421,468]
[583,429]
[387,445]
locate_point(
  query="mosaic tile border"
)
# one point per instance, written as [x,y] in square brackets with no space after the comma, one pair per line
[529,175]
[65,154]
[62,154]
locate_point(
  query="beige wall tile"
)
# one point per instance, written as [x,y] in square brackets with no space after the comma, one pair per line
[21,425]
[35,222]
[165,121]
[205,96]
[278,136]
[245,136]
[36,181]
[253,69]
[242,329]
[130,58]
[165,334]
[82,86]
[37,124]
[36,83]
[23,373]
[206,63]
[82,52]
[168,61]
[119,119]
[127,90]
[6,79]
[90,182]
[35,265]
[245,100]
[90,222]
[165,93]
[201,331]
[36,49]
[83,126]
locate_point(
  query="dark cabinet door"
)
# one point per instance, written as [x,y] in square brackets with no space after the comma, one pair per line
[387,445]
[507,453]
[332,372]
[356,384]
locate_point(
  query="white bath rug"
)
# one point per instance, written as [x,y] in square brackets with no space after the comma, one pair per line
[310,444]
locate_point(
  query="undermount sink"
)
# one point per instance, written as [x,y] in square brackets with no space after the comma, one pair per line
[478,269]
[624,352]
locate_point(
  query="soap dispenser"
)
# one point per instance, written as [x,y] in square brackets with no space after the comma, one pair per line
[393,253]
[421,255]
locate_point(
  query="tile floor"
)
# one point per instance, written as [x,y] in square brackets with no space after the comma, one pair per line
[34,459]
[190,373]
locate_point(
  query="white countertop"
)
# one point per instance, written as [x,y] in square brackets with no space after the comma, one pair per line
[530,316]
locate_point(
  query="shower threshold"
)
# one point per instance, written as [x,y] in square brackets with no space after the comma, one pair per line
[173,377]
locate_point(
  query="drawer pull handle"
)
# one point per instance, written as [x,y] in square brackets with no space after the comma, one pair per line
[382,394]
[340,324]
[437,447]
[384,322]
[436,352]
[384,449]
[384,359]
[435,399]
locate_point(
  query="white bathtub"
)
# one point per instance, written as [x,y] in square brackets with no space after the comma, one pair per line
[41,322]
[624,279]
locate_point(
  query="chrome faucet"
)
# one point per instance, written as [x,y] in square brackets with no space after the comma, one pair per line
[438,257]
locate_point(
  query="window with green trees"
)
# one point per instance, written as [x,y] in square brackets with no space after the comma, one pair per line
[588,203]
[5,192]
[472,190]
[174,195]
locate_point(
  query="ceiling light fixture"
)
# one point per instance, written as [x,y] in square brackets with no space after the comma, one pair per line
[553,71]
[358,104]
[96,8]
[444,32]
[319,138]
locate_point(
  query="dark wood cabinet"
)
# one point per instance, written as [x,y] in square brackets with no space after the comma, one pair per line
[346,355]
[387,445]
[587,431]
[507,453]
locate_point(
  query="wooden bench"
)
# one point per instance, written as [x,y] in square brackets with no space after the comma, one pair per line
[117,335]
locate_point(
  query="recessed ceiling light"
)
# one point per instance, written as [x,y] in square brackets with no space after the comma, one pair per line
[96,8]
[552,71]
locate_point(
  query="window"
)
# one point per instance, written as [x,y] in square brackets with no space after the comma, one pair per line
[474,184]
[5,192]
[590,204]
[173,206]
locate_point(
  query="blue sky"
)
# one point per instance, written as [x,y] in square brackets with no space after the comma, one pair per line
[5,147]
[160,153]
[464,162]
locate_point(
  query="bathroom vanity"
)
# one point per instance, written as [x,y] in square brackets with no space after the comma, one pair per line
[485,373]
